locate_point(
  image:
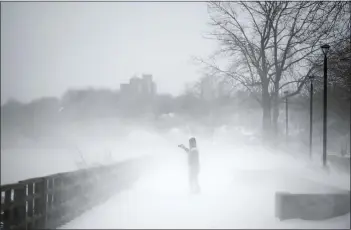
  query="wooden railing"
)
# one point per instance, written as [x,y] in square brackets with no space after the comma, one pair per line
[51,201]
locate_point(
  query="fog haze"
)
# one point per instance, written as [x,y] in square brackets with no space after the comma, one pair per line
[48,47]
[176,115]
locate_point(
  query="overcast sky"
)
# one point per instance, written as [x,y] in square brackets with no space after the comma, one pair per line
[47,48]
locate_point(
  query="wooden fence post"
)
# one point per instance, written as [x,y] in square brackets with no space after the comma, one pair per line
[30,202]
[19,209]
[8,214]
[56,213]
[50,198]
[40,203]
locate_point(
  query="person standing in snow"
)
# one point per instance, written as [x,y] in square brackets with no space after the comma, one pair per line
[194,164]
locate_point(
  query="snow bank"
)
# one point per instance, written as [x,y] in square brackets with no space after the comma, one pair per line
[238,180]
[235,194]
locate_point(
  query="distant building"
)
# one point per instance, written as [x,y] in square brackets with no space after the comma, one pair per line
[154,88]
[149,87]
[147,83]
[144,86]
[135,85]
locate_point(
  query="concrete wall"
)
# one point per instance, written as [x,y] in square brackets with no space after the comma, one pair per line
[311,206]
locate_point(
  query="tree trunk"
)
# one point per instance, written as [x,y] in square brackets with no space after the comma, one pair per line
[275,114]
[266,107]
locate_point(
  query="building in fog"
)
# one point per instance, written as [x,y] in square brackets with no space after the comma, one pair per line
[148,86]
[143,86]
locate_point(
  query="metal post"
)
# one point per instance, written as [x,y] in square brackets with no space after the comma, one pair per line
[325,112]
[325,105]
[311,114]
[325,49]
[286,116]
[350,116]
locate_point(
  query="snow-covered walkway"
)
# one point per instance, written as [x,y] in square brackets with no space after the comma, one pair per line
[238,181]
[238,191]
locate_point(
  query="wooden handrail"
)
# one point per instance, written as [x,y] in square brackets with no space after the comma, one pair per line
[48,202]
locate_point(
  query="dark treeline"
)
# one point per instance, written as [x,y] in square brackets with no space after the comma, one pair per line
[33,120]
[211,101]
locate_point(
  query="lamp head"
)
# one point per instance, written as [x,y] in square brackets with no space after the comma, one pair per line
[325,49]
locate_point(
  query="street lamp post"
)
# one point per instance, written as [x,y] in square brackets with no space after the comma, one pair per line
[286,116]
[325,49]
[311,112]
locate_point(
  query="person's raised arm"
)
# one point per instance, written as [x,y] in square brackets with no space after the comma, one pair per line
[183,147]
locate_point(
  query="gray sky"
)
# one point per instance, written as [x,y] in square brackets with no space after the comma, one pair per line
[47,48]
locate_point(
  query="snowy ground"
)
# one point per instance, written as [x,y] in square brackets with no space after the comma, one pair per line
[234,195]
[238,187]
[238,183]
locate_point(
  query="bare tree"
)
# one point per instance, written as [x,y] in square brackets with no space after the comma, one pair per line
[269,46]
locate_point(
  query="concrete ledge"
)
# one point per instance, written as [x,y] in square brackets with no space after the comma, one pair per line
[339,162]
[311,206]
